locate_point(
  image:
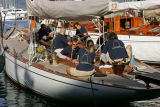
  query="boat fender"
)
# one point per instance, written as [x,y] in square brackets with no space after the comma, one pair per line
[132,60]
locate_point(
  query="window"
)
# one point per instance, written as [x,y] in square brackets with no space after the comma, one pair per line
[123,22]
[107,26]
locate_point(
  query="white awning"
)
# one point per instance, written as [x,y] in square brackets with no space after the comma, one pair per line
[83,10]
[69,10]
[140,5]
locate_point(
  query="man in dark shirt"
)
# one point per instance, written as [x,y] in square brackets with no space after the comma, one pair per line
[70,52]
[114,50]
[81,32]
[45,35]
[60,41]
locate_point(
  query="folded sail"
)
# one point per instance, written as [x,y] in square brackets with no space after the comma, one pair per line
[84,9]
[152,13]
[69,10]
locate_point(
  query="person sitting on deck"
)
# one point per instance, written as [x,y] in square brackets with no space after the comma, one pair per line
[70,52]
[85,61]
[102,40]
[45,35]
[114,50]
[81,32]
[60,42]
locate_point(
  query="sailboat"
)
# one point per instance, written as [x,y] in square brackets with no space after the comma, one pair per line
[142,35]
[10,12]
[51,80]
[138,35]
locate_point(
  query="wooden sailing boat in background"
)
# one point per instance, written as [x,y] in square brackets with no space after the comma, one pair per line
[138,35]
[51,80]
[134,30]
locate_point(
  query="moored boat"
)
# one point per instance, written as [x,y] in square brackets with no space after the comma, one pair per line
[138,35]
[24,67]
[53,81]
[13,14]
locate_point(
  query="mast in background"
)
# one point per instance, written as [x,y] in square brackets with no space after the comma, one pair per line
[9,4]
[3,3]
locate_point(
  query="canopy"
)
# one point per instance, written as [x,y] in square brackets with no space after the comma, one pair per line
[152,13]
[83,10]
[69,10]
[140,5]
[151,8]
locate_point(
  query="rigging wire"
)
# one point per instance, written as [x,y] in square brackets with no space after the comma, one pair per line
[94,98]
[127,23]
[99,32]
[100,45]
[31,47]
[103,34]
[15,11]
[112,23]
[34,35]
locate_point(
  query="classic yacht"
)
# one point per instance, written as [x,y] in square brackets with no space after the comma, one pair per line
[35,71]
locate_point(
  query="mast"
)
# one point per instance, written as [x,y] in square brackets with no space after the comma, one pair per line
[3,3]
[15,10]
[1,28]
[9,4]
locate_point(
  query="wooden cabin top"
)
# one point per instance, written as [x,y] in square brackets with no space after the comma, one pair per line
[121,25]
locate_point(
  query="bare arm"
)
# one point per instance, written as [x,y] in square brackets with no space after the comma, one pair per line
[61,56]
[85,34]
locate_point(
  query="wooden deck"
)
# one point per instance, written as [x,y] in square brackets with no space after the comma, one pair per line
[21,48]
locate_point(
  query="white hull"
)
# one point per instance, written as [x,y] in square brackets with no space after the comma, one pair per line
[145,48]
[12,14]
[13,17]
[59,87]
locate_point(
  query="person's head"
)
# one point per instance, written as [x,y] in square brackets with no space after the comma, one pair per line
[63,31]
[43,27]
[112,35]
[90,46]
[74,42]
[77,25]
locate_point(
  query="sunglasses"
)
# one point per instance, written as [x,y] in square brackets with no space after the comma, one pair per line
[74,44]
